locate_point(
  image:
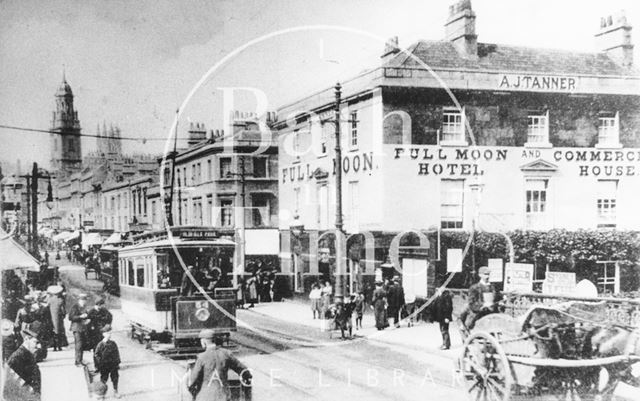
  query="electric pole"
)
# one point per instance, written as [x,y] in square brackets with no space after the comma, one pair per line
[339,296]
[34,212]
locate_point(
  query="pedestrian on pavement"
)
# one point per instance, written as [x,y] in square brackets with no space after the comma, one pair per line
[315,296]
[10,341]
[379,305]
[395,299]
[79,320]
[483,300]
[252,289]
[23,363]
[107,359]
[209,377]
[443,308]
[359,309]
[327,292]
[25,315]
[99,317]
[58,311]
[240,293]
[46,257]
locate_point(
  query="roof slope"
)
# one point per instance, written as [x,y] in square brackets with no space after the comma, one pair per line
[495,57]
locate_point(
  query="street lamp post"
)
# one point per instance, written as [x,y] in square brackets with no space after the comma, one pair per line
[339,295]
[241,228]
[297,229]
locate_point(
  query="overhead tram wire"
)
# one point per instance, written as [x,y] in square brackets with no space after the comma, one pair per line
[124,138]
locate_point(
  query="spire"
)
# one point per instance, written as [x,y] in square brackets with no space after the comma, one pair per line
[64,74]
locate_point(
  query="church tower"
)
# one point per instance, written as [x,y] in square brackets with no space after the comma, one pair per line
[66,150]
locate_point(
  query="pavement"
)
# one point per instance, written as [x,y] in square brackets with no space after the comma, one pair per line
[422,336]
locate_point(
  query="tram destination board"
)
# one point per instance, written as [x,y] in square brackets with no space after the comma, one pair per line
[194,315]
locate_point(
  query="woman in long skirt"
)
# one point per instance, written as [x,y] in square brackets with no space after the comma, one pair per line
[379,303]
[58,312]
[326,292]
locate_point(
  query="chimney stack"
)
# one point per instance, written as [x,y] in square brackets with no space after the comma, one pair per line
[460,28]
[614,38]
[391,48]
[197,134]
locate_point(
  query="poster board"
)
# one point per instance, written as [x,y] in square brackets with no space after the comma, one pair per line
[518,277]
[559,283]
[454,260]
[414,277]
[495,270]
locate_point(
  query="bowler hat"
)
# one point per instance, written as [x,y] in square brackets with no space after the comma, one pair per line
[483,270]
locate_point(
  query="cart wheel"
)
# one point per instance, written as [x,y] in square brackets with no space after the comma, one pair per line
[485,369]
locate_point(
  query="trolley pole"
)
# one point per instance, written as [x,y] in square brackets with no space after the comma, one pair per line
[34,207]
[340,268]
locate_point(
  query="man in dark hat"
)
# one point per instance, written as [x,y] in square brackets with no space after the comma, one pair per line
[23,364]
[483,299]
[79,320]
[107,359]
[395,298]
[209,377]
[100,317]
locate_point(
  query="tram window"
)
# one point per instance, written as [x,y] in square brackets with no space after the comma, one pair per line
[130,273]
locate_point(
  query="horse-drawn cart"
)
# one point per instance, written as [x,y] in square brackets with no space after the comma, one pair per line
[567,351]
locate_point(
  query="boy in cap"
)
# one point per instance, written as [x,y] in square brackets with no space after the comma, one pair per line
[79,320]
[107,359]
[209,377]
[100,317]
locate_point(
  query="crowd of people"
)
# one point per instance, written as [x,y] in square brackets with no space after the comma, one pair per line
[389,305]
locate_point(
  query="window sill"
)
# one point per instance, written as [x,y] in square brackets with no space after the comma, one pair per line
[454,143]
[540,145]
[608,146]
[322,156]
[353,150]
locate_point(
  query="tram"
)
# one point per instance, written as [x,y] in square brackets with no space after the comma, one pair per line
[150,274]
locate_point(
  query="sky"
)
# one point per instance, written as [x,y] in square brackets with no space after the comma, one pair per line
[132,63]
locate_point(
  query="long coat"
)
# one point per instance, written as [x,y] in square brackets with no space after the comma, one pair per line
[395,298]
[443,307]
[209,378]
[23,362]
[379,302]
[77,323]
[58,311]
[252,289]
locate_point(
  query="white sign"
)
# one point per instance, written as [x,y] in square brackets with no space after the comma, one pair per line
[454,260]
[414,277]
[262,242]
[559,283]
[495,270]
[518,277]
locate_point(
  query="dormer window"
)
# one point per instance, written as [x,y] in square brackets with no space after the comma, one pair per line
[538,129]
[453,123]
[609,130]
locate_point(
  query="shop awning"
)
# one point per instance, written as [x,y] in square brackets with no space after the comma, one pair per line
[114,238]
[13,256]
[91,239]
[61,236]
[74,236]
